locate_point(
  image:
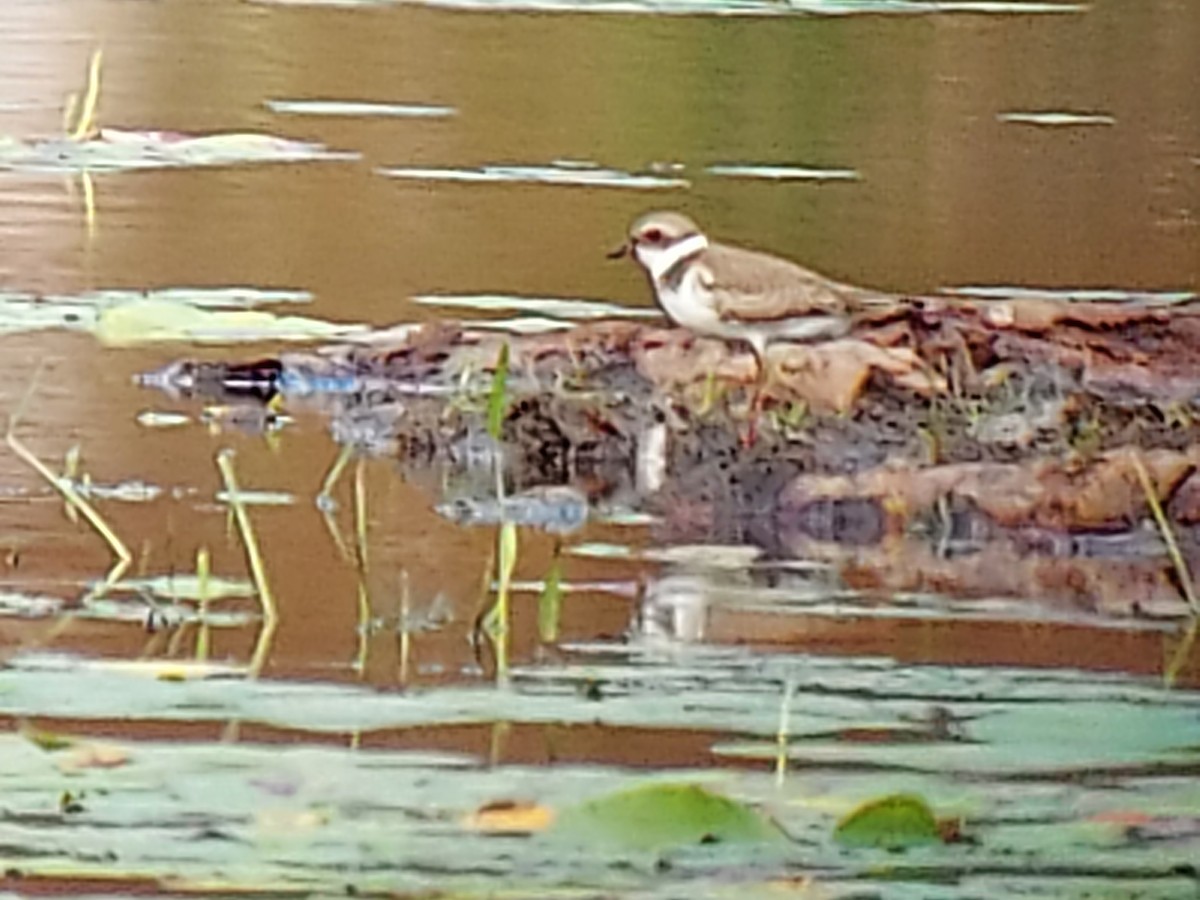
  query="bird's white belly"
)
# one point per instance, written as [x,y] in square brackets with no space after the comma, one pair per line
[691,305]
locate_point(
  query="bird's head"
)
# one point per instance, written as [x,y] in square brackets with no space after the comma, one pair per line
[658,236]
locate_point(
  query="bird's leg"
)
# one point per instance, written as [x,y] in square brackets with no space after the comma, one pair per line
[750,438]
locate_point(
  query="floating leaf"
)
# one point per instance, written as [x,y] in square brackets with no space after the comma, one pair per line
[661,816]
[890,823]
[21,312]
[163,320]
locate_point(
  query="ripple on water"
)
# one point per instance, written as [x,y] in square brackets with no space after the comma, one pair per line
[573,174]
[724,7]
[1056,118]
[1074,295]
[360,109]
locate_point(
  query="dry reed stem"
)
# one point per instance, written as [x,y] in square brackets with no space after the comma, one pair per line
[254,558]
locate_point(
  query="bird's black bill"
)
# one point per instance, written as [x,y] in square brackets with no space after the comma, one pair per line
[618,252]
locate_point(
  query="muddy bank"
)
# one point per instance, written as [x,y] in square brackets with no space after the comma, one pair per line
[1024,413]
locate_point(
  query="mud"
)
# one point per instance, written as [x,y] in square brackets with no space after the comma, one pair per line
[1021,414]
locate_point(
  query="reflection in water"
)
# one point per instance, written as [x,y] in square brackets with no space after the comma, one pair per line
[675,608]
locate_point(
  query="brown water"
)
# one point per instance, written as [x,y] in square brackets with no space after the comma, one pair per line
[947,194]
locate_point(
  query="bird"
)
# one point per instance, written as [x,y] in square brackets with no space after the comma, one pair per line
[734,293]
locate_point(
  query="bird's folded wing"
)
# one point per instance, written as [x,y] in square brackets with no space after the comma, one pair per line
[755,287]
[772,304]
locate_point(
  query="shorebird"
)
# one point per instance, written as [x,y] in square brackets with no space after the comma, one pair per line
[724,291]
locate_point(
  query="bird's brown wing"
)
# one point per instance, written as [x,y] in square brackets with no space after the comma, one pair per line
[755,287]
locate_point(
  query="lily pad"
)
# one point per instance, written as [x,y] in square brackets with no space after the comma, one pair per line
[23,312]
[890,823]
[662,816]
[155,320]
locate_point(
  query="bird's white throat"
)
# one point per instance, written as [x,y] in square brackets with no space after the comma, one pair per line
[661,262]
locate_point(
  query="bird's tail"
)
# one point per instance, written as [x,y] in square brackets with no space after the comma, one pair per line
[874,306]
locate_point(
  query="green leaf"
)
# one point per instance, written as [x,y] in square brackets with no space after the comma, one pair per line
[498,399]
[661,816]
[891,823]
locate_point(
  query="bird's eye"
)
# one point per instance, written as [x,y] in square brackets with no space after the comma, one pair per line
[652,236]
